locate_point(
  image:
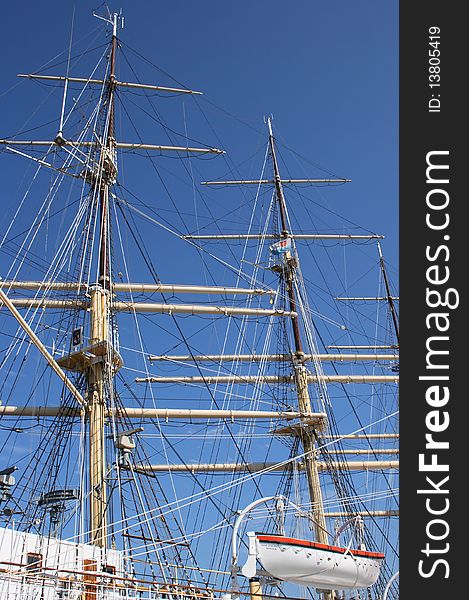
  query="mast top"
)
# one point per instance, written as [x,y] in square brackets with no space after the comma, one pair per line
[113,19]
[277,180]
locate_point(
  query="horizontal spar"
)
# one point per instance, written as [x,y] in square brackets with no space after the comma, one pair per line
[272,181]
[120,145]
[366,451]
[163,413]
[189,289]
[369,299]
[272,236]
[169,288]
[269,357]
[44,303]
[364,513]
[142,86]
[358,465]
[362,347]
[150,307]
[362,436]
[198,309]
[272,379]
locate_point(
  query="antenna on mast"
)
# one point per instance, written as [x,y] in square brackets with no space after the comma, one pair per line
[112,18]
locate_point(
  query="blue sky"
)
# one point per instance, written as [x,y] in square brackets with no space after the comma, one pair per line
[327,71]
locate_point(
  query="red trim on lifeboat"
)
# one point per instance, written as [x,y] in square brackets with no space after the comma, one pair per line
[279,539]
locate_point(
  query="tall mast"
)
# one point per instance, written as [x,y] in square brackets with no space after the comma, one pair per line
[284,234]
[100,373]
[301,373]
[98,360]
[389,296]
[106,163]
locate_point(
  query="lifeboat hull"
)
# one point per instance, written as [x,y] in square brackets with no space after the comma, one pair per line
[313,564]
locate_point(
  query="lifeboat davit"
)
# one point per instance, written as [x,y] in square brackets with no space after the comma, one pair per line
[311,563]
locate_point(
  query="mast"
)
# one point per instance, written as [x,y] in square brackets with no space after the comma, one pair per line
[99,360]
[389,297]
[99,373]
[301,373]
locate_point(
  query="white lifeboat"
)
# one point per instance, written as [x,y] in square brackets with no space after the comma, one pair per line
[311,563]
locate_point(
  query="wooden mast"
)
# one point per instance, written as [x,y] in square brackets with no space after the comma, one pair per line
[301,373]
[99,373]
[389,297]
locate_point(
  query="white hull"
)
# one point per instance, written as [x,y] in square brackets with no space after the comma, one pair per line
[310,564]
[34,567]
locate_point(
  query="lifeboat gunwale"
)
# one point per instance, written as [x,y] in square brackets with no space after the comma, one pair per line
[278,539]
